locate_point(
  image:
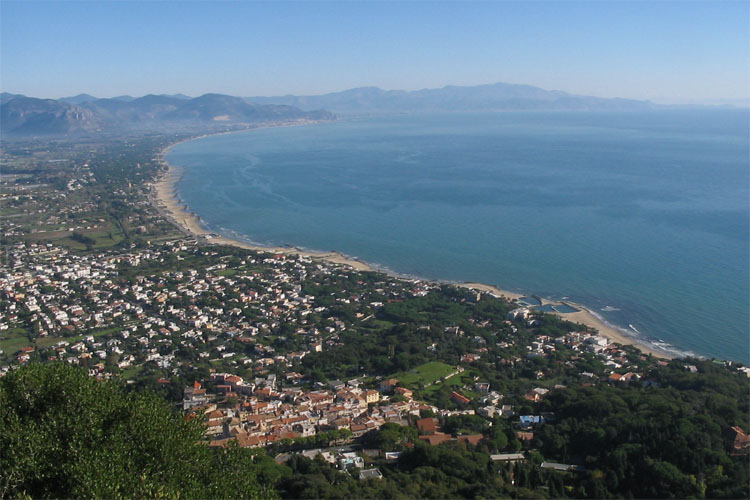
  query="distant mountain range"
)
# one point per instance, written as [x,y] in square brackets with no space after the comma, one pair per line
[493,97]
[86,114]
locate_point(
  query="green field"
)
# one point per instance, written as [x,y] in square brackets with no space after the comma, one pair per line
[457,382]
[100,333]
[104,237]
[8,211]
[130,372]
[425,374]
[377,324]
[15,339]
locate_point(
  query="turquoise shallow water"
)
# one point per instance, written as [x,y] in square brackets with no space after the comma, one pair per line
[643,217]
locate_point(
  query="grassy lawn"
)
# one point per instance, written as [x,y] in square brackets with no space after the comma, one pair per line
[68,243]
[43,342]
[98,333]
[377,324]
[252,268]
[227,272]
[103,238]
[129,372]
[167,236]
[13,342]
[10,210]
[456,382]
[426,374]
[13,339]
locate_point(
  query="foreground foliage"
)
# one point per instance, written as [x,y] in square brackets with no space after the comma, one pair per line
[64,434]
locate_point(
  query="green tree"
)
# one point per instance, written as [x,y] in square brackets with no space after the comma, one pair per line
[64,434]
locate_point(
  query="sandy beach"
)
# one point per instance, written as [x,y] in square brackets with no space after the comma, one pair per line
[584,316]
[493,290]
[164,197]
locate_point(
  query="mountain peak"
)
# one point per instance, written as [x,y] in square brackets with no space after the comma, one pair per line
[23,116]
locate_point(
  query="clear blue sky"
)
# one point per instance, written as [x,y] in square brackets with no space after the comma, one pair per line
[666,51]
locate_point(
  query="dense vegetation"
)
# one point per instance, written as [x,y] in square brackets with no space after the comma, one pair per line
[643,443]
[64,434]
[656,442]
[665,436]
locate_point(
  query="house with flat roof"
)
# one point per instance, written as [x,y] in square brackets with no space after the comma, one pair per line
[370,474]
[508,457]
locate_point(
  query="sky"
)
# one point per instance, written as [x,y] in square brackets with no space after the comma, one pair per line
[665,51]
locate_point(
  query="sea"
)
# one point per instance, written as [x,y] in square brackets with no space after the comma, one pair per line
[642,217]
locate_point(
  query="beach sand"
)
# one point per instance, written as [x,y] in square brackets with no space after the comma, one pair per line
[498,292]
[164,198]
[584,316]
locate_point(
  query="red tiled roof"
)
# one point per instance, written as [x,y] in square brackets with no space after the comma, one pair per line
[426,425]
[219,443]
[436,439]
[460,398]
[741,440]
[402,390]
[473,439]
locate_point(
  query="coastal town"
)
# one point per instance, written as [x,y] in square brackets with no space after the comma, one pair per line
[249,322]
[361,250]
[293,353]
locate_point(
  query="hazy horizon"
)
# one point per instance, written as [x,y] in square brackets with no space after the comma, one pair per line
[665,52]
[667,101]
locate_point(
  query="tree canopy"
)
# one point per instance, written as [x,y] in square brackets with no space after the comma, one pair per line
[64,434]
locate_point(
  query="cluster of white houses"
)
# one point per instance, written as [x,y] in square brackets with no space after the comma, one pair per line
[61,296]
[156,318]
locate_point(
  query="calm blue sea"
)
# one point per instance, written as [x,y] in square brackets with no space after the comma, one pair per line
[641,216]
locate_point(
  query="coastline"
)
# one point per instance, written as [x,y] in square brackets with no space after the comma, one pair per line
[165,199]
[583,316]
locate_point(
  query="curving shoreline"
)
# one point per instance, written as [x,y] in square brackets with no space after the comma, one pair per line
[585,316]
[165,199]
